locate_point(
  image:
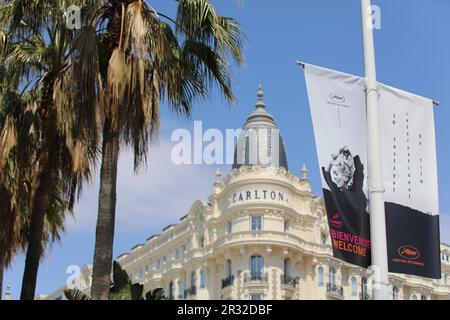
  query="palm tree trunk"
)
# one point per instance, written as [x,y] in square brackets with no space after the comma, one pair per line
[43,191]
[104,237]
[1,279]
[35,249]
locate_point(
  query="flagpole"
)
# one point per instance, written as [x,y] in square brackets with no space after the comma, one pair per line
[375,173]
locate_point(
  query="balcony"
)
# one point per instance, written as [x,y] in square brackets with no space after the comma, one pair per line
[227,282]
[289,281]
[256,277]
[192,291]
[335,290]
[364,296]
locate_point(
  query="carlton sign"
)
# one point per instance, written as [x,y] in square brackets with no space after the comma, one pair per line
[258,195]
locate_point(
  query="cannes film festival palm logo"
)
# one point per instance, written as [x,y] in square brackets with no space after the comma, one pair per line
[409,252]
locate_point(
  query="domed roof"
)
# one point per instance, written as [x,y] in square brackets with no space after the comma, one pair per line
[260,142]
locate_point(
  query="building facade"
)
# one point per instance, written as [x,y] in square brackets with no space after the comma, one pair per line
[261,234]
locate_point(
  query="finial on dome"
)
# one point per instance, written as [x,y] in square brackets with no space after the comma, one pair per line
[260,103]
[218,175]
[304,172]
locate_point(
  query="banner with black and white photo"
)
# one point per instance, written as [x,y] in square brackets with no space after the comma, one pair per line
[337,103]
[338,109]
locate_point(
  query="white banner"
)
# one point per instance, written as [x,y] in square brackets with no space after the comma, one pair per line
[338,109]
[337,103]
[411,182]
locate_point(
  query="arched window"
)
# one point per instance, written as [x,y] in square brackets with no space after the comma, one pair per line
[423,297]
[320,275]
[180,289]
[395,293]
[229,268]
[287,267]
[354,286]
[256,267]
[413,297]
[171,297]
[202,279]
[332,276]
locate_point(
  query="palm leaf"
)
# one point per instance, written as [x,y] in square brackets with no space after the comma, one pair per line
[74,294]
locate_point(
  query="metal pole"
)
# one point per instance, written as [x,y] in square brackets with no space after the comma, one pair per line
[375,173]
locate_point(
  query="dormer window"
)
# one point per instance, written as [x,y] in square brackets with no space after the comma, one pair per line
[287,225]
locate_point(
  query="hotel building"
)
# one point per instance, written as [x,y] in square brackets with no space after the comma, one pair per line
[261,234]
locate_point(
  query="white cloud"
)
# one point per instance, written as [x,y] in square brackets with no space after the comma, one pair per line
[157,196]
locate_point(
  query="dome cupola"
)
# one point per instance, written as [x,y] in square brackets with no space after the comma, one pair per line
[260,142]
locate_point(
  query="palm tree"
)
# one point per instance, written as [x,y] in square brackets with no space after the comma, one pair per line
[145,56]
[54,146]
[121,289]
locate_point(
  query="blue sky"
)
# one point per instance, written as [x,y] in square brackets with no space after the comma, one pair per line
[413,53]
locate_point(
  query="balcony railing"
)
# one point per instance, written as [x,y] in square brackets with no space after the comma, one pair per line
[256,277]
[227,282]
[192,291]
[289,281]
[364,296]
[335,289]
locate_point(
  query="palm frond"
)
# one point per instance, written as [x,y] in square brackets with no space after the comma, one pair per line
[75,294]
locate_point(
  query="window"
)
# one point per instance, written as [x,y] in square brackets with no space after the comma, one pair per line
[229,227]
[229,269]
[423,297]
[193,279]
[287,225]
[171,297]
[180,289]
[247,151]
[395,293]
[177,254]
[256,223]
[201,242]
[202,279]
[323,238]
[363,287]
[320,275]
[158,264]
[287,267]
[164,261]
[413,297]
[354,288]
[183,251]
[332,276]
[256,297]
[256,266]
